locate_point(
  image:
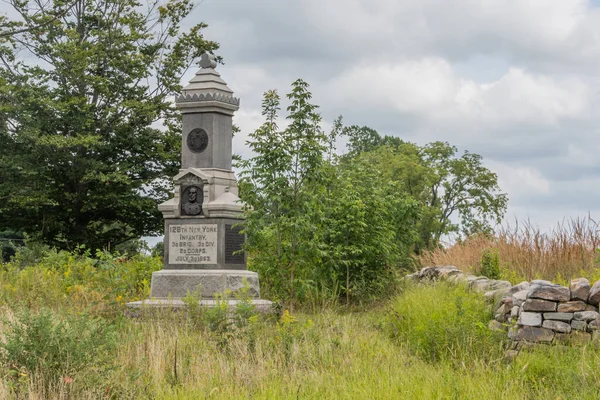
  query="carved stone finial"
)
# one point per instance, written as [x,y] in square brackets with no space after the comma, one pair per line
[208,61]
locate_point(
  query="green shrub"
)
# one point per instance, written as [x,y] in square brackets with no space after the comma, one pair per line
[58,278]
[444,322]
[244,309]
[192,302]
[489,265]
[54,346]
[223,321]
[31,253]
[286,333]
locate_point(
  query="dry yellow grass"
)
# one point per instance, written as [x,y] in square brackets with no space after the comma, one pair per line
[567,251]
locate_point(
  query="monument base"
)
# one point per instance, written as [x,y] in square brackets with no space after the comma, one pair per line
[177,283]
[170,286]
[137,307]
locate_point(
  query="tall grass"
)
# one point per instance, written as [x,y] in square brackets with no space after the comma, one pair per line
[453,330]
[332,356]
[430,342]
[567,251]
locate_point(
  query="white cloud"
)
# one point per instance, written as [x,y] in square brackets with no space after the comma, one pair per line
[416,86]
[430,88]
[550,32]
[520,181]
[524,97]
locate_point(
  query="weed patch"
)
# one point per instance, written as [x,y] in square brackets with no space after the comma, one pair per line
[443,322]
[55,347]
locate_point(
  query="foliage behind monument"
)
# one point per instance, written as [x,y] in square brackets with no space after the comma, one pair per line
[457,193]
[318,228]
[323,225]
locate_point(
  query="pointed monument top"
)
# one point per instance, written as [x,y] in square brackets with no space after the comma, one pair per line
[207,91]
[208,61]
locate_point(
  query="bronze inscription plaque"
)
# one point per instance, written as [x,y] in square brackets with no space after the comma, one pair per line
[234,240]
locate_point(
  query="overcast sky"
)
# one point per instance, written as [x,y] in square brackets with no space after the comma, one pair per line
[517,81]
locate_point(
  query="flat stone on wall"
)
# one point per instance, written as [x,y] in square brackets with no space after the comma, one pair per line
[594,297]
[586,315]
[578,325]
[571,306]
[539,305]
[520,297]
[533,334]
[549,292]
[557,326]
[580,289]
[530,319]
[559,316]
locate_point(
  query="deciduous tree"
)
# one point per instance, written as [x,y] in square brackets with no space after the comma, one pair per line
[457,193]
[85,86]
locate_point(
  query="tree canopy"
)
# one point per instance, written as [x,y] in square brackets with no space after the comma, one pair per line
[457,193]
[88,130]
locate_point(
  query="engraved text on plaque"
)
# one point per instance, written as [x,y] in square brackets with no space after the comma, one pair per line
[193,244]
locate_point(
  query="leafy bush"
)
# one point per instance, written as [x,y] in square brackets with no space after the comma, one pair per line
[286,332]
[444,322]
[56,278]
[216,318]
[320,227]
[489,265]
[30,253]
[54,346]
[223,321]
[9,242]
[158,250]
[244,311]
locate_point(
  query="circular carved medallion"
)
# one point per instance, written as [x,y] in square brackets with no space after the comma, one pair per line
[197,140]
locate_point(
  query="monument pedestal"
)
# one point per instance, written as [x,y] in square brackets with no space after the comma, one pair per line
[137,307]
[204,243]
[203,221]
[174,283]
[169,286]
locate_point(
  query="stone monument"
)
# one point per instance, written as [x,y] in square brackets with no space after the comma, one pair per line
[203,243]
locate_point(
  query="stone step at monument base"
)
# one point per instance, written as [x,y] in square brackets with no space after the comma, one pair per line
[177,283]
[138,307]
[170,286]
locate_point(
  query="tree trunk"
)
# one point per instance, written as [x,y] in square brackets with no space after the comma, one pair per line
[347,285]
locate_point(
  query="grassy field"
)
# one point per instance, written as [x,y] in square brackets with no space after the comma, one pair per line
[64,336]
[368,355]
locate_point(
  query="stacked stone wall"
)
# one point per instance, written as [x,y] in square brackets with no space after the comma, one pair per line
[532,312]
